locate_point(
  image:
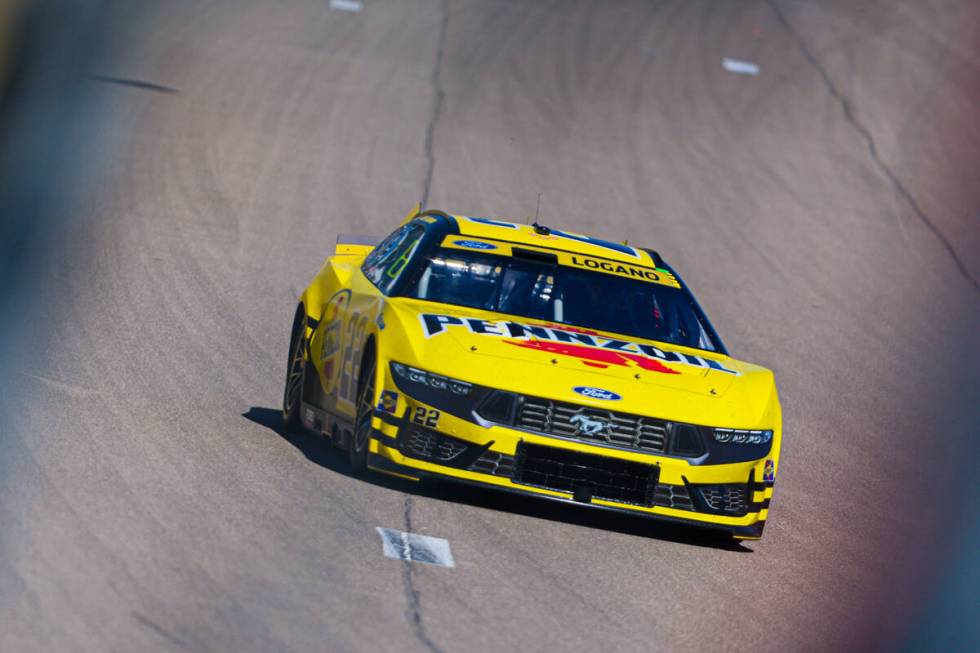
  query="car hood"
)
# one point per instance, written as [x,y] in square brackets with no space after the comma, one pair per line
[563,362]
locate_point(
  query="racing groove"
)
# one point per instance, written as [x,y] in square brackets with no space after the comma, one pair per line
[820,210]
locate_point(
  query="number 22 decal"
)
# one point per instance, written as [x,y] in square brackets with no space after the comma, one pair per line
[426,417]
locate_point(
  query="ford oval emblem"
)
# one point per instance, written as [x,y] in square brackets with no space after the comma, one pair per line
[596,393]
[474,244]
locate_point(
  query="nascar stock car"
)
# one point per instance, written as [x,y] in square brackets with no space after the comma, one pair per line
[533,360]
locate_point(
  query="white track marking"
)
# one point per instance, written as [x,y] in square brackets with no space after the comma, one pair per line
[741,67]
[346,5]
[415,548]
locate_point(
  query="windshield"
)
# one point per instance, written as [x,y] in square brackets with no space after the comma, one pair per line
[562,295]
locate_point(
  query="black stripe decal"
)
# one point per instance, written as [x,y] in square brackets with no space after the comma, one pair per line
[388,418]
[384,439]
[756,507]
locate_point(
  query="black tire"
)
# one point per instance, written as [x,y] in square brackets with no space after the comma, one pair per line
[292,395]
[361,437]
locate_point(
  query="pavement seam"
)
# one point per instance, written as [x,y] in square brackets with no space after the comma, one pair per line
[439,95]
[412,596]
[865,133]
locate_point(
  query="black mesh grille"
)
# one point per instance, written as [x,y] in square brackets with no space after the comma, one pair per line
[728,499]
[592,424]
[586,474]
[429,445]
[673,496]
[492,462]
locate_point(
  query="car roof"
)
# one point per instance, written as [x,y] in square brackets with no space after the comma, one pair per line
[542,236]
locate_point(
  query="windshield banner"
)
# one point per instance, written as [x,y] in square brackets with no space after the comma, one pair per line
[569,259]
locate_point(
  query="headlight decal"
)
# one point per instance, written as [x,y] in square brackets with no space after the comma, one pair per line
[741,436]
[437,381]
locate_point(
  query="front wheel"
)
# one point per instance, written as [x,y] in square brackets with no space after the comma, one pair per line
[292,396]
[365,411]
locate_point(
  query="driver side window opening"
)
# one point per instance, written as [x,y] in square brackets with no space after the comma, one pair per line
[386,262]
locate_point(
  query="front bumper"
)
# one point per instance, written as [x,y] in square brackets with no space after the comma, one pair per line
[408,441]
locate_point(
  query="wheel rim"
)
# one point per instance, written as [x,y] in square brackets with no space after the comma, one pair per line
[297,365]
[365,410]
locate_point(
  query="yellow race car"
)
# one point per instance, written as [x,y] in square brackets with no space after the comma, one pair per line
[537,361]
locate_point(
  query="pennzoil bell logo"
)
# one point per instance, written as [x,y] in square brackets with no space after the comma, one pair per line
[588,346]
[389,401]
[769,474]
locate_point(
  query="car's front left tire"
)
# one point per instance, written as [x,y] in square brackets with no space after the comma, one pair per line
[292,397]
[361,439]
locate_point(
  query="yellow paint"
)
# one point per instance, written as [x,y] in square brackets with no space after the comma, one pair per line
[351,310]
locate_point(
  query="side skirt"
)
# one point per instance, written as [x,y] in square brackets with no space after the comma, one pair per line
[338,429]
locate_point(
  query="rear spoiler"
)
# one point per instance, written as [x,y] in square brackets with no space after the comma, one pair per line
[355,244]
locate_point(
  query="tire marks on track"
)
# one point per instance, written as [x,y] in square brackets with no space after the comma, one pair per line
[412,595]
[438,97]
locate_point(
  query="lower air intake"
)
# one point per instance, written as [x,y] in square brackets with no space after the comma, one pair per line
[673,496]
[726,499]
[492,462]
[430,445]
[586,475]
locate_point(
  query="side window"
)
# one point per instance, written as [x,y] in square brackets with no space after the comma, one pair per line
[386,262]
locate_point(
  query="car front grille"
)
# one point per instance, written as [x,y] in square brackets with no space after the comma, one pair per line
[726,499]
[673,496]
[586,475]
[430,445]
[493,462]
[592,425]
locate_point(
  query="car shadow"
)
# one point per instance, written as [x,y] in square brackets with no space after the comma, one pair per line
[320,451]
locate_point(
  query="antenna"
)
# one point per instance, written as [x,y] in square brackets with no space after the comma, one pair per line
[539,228]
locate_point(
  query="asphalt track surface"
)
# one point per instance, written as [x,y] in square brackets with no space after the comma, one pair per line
[824,211]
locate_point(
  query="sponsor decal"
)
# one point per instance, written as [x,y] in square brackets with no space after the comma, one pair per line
[474,244]
[769,473]
[588,426]
[596,393]
[330,340]
[590,348]
[389,401]
[622,269]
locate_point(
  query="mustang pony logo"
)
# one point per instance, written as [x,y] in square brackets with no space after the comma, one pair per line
[588,426]
[589,347]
